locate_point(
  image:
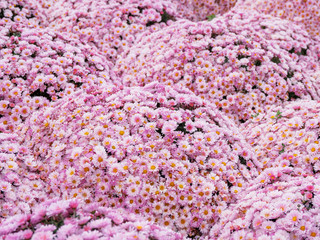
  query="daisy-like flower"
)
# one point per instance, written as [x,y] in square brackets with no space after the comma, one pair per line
[24,111]
[182,222]
[268,226]
[132,190]
[206,213]
[85,194]
[129,107]
[239,235]
[162,188]
[120,131]
[311,123]
[70,172]
[165,153]
[11,165]
[313,233]
[107,141]
[184,145]
[257,222]
[176,75]
[114,146]
[5,186]
[151,125]
[169,127]
[158,207]
[152,167]
[40,79]
[181,185]
[312,149]
[37,185]
[137,119]
[303,227]
[76,152]
[270,137]
[115,169]
[190,126]
[294,217]
[74,181]
[85,132]
[188,78]
[151,155]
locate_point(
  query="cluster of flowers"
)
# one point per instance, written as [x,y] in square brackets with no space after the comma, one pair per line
[39,66]
[18,12]
[303,12]
[243,62]
[277,206]
[287,136]
[111,26]
[129,115]
[20,189]
[199,10]
[72,220]
[156,150]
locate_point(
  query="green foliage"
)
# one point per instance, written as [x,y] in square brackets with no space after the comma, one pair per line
[278,116]
[255,115]
[57,221]
[210,17]
[276,60]
[282,150]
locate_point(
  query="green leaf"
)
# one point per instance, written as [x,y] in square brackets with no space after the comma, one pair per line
[282,150]
[255,115]
[210,17]
[278,114]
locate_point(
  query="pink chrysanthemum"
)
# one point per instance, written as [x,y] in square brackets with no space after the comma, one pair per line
[243,66]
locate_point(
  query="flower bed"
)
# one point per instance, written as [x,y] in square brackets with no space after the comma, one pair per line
[287,136]
[305,13]
[39,66]
[276,206]
[158,120]
[69,219]
[112,27]
[158,151]
[243,70]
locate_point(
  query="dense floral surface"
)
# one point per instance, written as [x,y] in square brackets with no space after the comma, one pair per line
[160,152]
[167,119]
[111,26]
[69,219]
[277,206]
[287,136]
[302,12]
[39,66]
[242,62]
[198,10]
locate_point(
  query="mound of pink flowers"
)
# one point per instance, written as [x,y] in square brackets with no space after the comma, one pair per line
[20,189]
[199,10]
[72,220]
[287,136]
[159,151]
[302,12]
[18,12]
[242,62]
[276,206]
[168,119]
[39,66]
[21,184]
[111,26]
